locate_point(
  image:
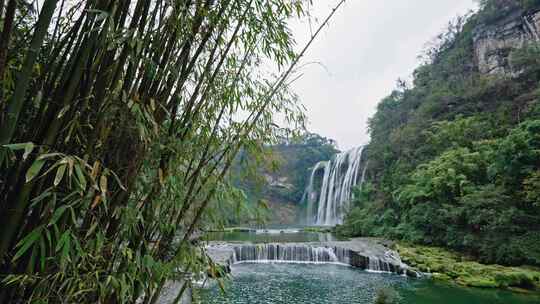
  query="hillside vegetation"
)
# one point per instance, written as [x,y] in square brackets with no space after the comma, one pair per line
[276,178]
[455,156]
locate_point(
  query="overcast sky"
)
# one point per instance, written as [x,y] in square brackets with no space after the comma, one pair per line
[368,45]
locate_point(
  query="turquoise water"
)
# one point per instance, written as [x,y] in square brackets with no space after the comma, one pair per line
[328,284]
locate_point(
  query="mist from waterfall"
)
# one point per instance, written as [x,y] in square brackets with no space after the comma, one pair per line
[332,200]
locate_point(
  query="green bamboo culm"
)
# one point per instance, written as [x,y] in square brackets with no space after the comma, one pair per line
[16,103]
[14,108]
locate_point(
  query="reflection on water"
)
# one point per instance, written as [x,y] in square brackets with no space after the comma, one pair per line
[325,284]
[271,236]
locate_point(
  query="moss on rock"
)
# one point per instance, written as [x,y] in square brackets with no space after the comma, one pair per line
[441,277]
[445,265]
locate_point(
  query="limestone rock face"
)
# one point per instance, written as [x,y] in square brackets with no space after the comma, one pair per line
[493,43]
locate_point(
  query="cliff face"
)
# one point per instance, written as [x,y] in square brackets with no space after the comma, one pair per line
[494,42]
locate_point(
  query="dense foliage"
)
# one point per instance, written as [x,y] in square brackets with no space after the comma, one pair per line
[455,157]
[119,121]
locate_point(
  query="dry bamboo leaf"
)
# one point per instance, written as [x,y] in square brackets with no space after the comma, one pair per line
[96,201]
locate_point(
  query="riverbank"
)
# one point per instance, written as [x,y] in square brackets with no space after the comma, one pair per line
[448,266]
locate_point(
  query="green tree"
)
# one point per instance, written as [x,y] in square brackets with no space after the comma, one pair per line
[117,136]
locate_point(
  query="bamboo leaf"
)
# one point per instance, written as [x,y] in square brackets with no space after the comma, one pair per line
[15,147]
[71,163]
[43,253]
[32,262]
[57,214]
[49,238]
[96,201]
[61,241]
[63,111]
[66,248]
[34,169]
[95,170]
[80,176]
[11,279]
[48,155]
[59,175]
[41,197]
[28,149]
[73,216]
[118,180]
[91,230]
[25,243]
[103,183]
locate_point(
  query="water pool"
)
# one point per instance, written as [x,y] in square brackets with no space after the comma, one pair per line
[325,284]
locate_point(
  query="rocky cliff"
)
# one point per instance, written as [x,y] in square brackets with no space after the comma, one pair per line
[494,42]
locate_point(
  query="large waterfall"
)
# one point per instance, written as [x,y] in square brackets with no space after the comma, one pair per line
[331,200]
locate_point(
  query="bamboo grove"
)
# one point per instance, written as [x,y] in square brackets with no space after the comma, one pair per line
[119,120]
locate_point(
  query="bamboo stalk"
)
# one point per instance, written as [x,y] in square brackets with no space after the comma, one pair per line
[17,101]
[5,37]
[97,73]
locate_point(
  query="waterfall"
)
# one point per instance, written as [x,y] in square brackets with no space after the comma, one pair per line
[283,253]
[315,254]
[332,200]
[310,194]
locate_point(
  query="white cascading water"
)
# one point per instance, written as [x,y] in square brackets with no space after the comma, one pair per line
[333,198]
[314,254]
[284,253]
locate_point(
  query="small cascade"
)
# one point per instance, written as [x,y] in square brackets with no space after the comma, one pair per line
[283,253]
[332,200]
[378,265]
[342,253]
[312,254]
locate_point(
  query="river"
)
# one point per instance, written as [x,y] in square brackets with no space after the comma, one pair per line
[273,283]
[325,284]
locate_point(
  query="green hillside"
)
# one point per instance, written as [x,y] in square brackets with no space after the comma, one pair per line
[455,155]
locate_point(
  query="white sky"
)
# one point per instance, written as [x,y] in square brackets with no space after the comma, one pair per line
[368,45]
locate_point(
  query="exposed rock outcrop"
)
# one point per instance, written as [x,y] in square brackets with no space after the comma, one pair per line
[493,43]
